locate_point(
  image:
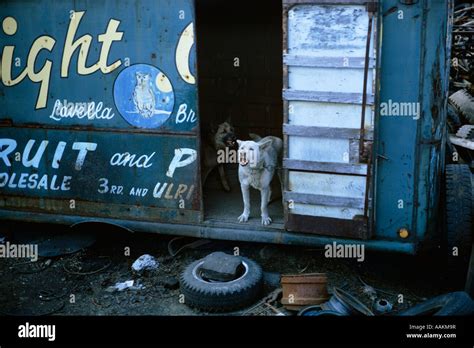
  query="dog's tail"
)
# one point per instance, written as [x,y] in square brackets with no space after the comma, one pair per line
[255,137]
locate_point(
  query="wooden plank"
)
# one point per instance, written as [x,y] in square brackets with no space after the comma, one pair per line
[325,132]
[328,115]
[356,228]
[301,78]
[335,150]
[331,201]
[336,31]
[346,98]
[326,167]
[327,62]
[327,184]
[325,210]
[354,151]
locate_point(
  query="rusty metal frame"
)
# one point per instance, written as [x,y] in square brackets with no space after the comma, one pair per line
[205,230]
[369,211]
[91,210]
[364,90]
[366,152]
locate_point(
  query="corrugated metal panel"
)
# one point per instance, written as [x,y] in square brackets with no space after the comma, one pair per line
[325,54]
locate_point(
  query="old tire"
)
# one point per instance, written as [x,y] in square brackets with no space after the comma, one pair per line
[221,296]
[458,221]
[454,303]
[453,120]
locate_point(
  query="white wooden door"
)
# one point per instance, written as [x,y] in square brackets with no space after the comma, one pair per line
[327,171]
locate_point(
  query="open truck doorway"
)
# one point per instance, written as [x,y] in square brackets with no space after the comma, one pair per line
[239,47]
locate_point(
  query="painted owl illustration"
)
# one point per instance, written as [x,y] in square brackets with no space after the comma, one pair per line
[143,96]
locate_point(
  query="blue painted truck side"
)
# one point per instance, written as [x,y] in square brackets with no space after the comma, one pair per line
[413,66]
[100,108]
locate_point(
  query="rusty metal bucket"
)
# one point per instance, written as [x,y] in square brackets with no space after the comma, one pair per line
[303,290]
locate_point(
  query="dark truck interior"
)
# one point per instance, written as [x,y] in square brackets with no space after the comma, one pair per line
[239,48]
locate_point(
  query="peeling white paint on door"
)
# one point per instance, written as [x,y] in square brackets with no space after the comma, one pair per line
[325,59]
[327,30]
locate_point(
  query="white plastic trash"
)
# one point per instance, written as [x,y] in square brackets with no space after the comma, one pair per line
[145,262]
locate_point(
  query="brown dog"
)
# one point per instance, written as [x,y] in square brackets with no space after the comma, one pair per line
[220,139]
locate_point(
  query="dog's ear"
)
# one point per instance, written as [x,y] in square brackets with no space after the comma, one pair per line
[239,142]
[265,144]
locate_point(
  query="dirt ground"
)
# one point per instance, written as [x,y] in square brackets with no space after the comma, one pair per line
[76,284]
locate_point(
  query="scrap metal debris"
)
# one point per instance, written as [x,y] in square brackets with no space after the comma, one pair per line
[382,306]
[301,290]
[462,51]
[30,267]
[77,266]
[346,304]
[461,99]
[265,306]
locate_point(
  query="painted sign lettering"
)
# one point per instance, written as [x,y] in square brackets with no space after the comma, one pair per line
[80,45]
[89,110]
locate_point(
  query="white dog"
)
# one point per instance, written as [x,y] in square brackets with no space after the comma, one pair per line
[258,161]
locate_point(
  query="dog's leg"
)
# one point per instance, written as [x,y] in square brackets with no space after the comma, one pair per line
[246,197]
[265,197]
[224,182]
